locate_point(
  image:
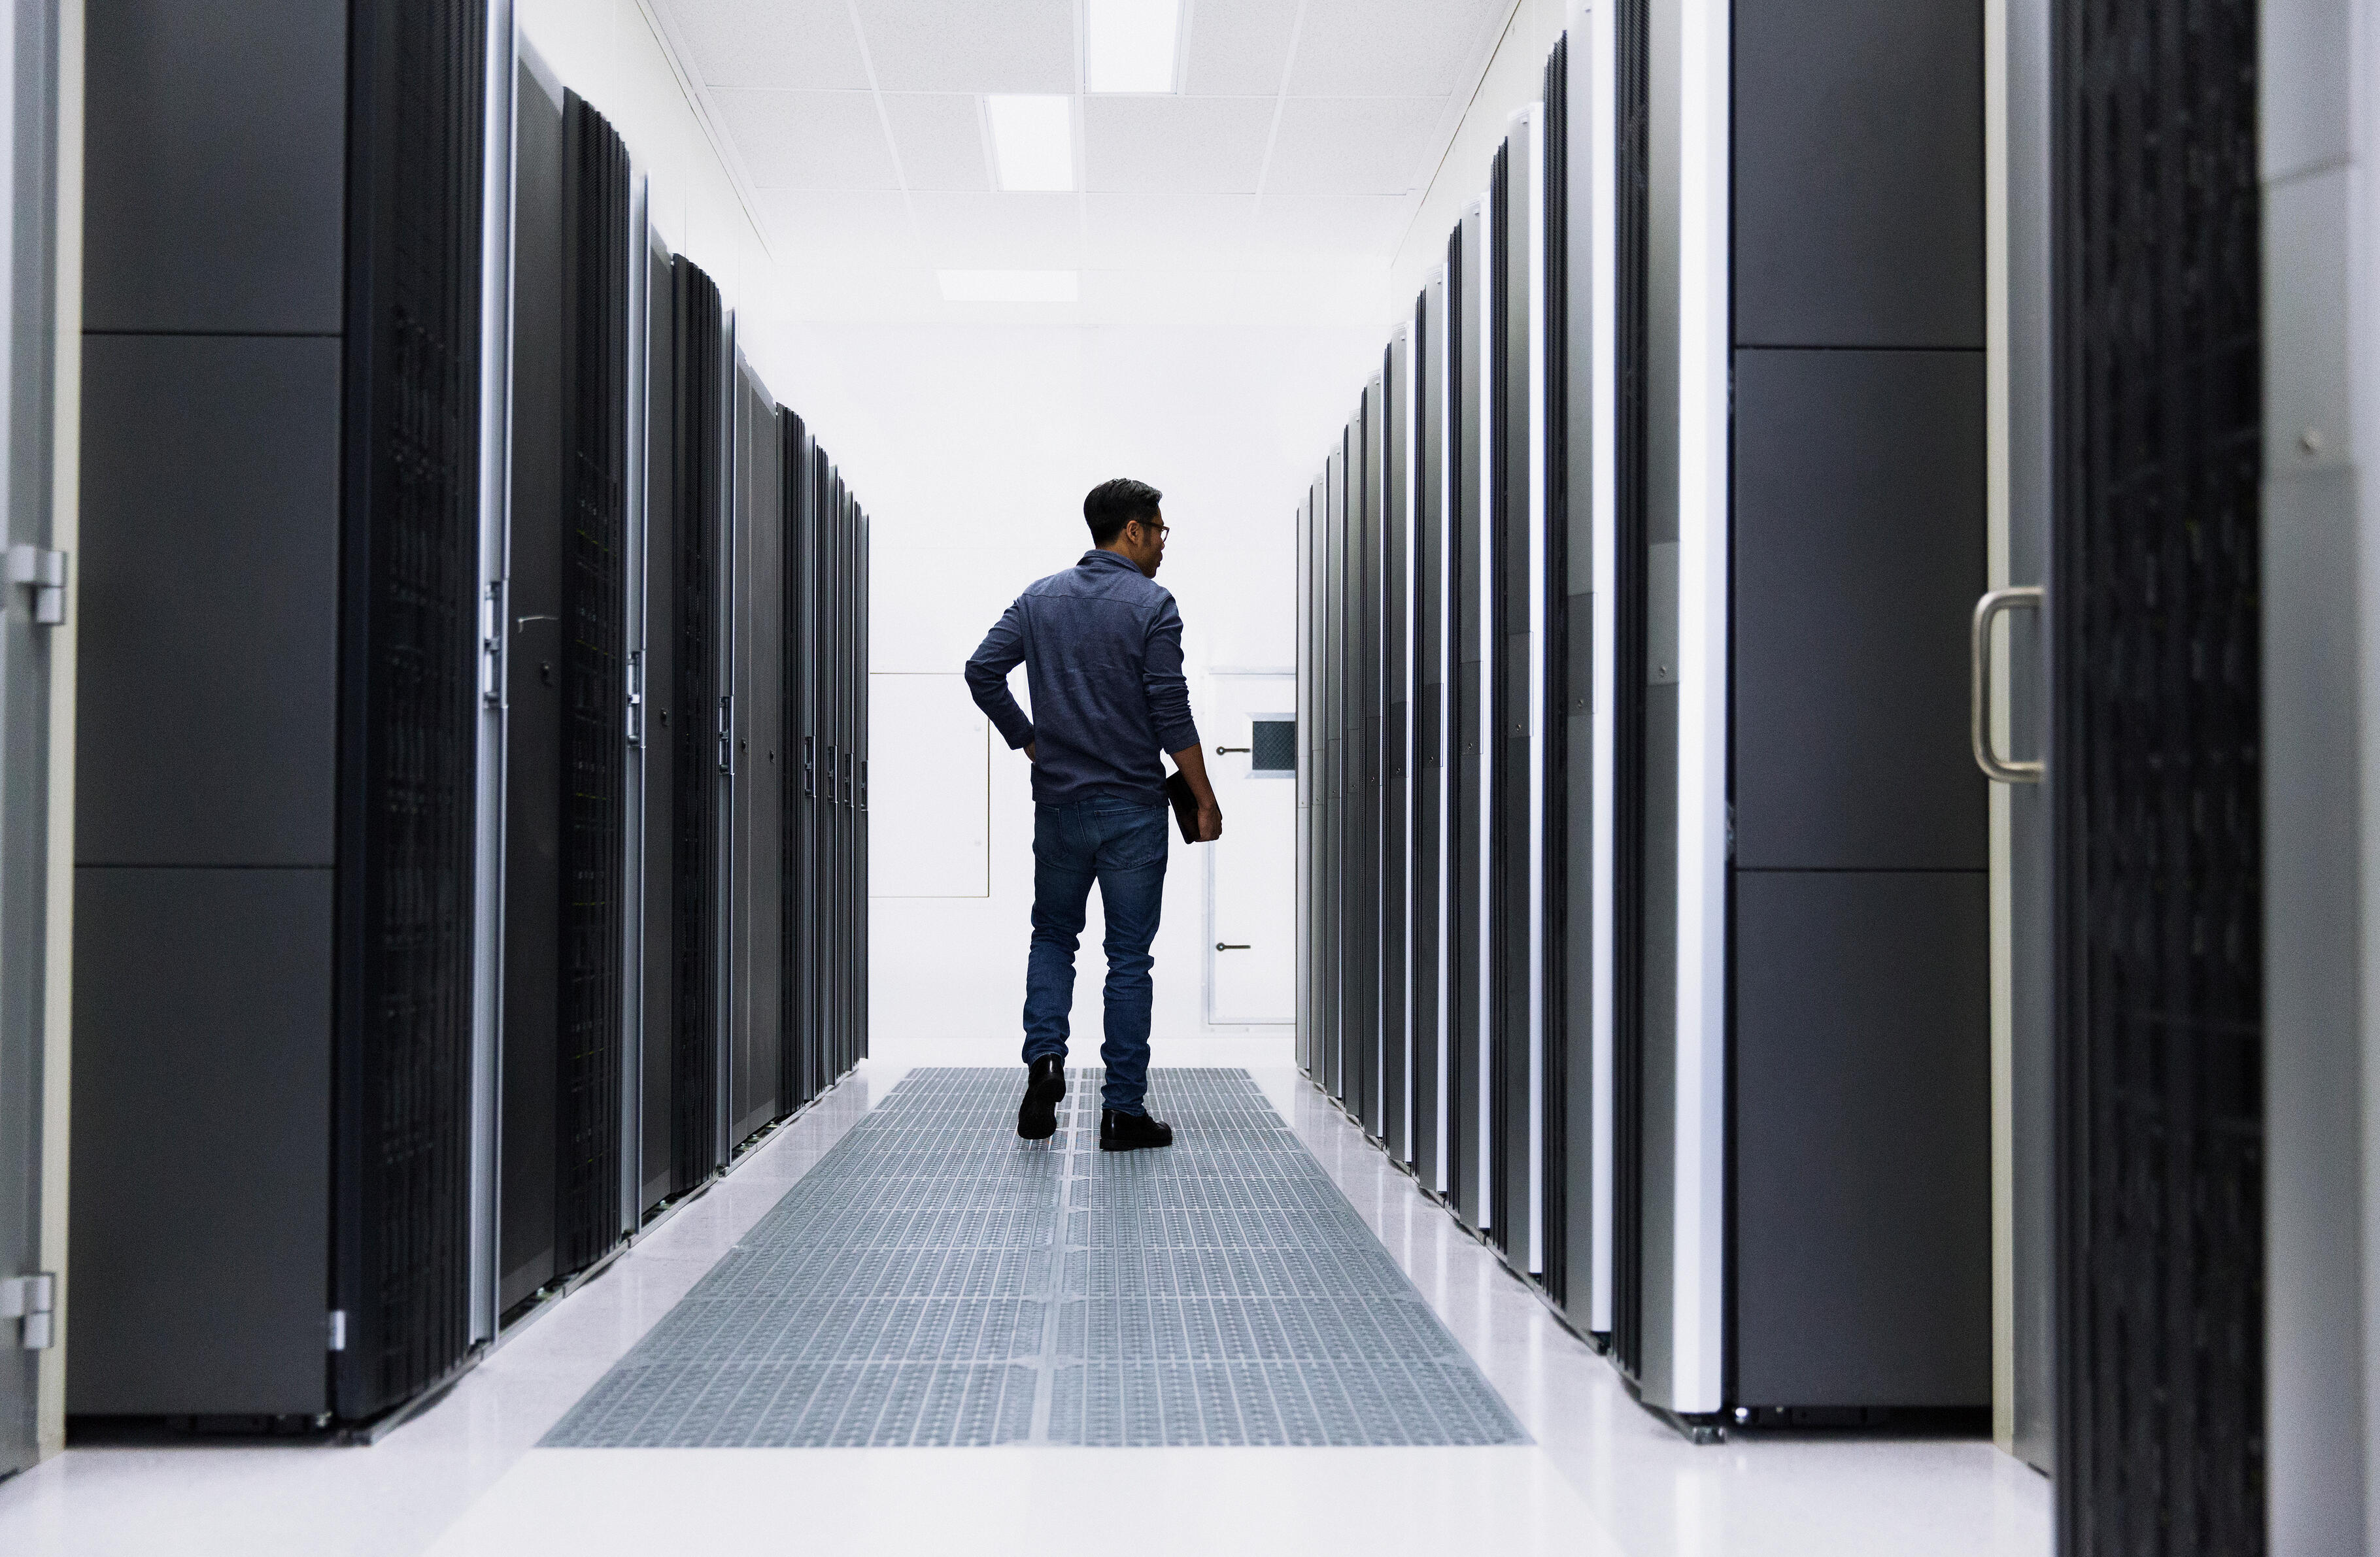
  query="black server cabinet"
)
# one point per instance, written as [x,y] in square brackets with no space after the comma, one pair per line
[666,721]
[1309,781]
[1470,569]
[1332,800]
[818,793]
[1524,868]
[1571,1149]
[835,742]
[1860,1054]
[1431,725]
[795,1035]
[1506,718]
[1370,1078]
[699,742]
[276,803]
[565,761]
[755,1080]
[860,784]
[1396,745]
[1631,713]
[1574,1151]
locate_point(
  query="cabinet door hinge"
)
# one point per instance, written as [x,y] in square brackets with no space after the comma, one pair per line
[44,572]
[33,1300]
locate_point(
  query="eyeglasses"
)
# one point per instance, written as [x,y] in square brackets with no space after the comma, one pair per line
[1162,529]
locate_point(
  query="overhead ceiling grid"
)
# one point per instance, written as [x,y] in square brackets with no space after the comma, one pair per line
[1262,135]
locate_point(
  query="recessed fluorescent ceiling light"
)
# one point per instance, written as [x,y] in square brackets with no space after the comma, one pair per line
[1009,286]
[1128,45]
[1033,140]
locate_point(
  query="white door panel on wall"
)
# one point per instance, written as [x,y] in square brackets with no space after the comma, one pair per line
[1250,731]
[929,793]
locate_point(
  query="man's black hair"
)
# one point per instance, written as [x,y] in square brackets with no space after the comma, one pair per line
[1113,504]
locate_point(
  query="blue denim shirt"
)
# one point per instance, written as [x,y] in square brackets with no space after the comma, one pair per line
[1102,647]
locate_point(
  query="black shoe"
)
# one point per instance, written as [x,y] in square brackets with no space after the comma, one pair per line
[1130,1133]
[1045,1083]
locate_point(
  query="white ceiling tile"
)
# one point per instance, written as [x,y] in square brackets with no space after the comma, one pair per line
[1239,48]
[971,45]
[1175,145]
[1167,231]
[839,228]
[808,141]
[1389,48]
[790,44]
[1001,231]
[939,136]
[1332,229]
[1352,145]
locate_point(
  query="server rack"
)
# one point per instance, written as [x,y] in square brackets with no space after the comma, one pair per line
[565,608]
[795,1035]
[700,763]
[1471,924]
[666,722]
[1371,1079]
[1433,641]
[1334,846]
[755,1086]
[1814,1040]
[1395,807]
[1520,859]
[277,808]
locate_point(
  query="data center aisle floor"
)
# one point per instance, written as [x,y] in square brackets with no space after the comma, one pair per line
[1600,1478]
[936,1282]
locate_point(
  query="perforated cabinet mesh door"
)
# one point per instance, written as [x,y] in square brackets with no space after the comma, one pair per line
[409,695]
[596,255]
[2157,295]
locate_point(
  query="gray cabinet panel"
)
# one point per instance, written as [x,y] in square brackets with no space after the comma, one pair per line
[1859,552]
[202,1141]
[1859,174]
[209,637]
[215,166]
[1862,1109]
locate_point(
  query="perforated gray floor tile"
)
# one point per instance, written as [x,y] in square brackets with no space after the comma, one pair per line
[934,1281]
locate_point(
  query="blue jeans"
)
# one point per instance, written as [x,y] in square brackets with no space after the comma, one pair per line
[1123,846]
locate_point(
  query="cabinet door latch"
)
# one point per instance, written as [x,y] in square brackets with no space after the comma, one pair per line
[33,1300]
[44,572]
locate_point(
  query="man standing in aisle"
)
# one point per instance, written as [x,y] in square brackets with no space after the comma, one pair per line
[1102,647]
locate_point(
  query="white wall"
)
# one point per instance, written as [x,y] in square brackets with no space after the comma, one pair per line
[974,445]
[1515,78]
[609,53]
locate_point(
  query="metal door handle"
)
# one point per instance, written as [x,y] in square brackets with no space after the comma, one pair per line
[1220,945]
[1999,770]
[1225,751]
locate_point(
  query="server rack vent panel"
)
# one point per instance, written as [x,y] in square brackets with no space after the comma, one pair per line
[594,608]
[794,904]
[409,675]
[696,436]
[2157,298]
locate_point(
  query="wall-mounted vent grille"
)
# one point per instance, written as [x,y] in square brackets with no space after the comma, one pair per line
[1273,746]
